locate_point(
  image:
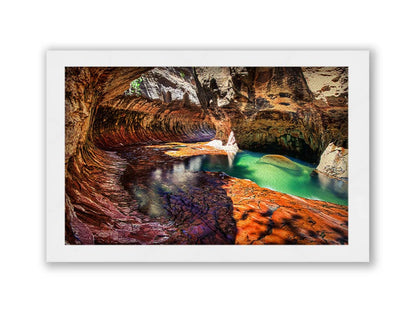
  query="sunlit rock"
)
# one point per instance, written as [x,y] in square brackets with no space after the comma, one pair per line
[169,84]
[125,185]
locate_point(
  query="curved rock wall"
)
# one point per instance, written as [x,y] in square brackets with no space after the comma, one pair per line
[273,109]
[98,208]
[135,120]
[267,109]
[99,119]
[109,200]
[85,88]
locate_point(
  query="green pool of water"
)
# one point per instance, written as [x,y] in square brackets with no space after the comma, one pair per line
[247,165]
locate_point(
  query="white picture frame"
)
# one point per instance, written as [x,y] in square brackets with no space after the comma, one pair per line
[357,249]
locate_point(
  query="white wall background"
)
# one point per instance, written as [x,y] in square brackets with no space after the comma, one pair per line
[29,28]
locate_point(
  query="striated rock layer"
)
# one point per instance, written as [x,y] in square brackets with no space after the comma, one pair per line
[85,88]
[123,189]
[100,120]
[99,209]
[135,120]
[273,110]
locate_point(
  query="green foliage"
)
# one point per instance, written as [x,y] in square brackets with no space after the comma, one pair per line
[182,75]
[135,87]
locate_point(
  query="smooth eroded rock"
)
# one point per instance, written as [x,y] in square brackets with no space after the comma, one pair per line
[334,162]
[281,162]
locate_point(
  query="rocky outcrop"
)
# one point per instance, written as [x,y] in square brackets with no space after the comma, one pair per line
[273,110]
[303,133]
[272,88]
[98,208]
[230,146]
[215,86]
[85,88]
[334,162]
[111,156]
[99,119]
[252,88]
[329,85]
[169,84]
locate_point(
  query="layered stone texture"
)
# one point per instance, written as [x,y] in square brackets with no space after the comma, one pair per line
[140,195]
[99,119]
[125,186]
[169,84]
[215,86]
[273,109]
[136,120]
[98,208]
[85,87]
[329,85]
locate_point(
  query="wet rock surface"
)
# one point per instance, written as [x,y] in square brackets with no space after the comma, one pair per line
[141,195]
[193,203]
[98,208]
[124,184]
[264,216]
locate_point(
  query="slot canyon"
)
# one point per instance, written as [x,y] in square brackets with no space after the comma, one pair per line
[206,155]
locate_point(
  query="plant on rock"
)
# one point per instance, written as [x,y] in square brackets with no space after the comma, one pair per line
[135,87]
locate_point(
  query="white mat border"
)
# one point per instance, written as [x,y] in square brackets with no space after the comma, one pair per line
[356,251]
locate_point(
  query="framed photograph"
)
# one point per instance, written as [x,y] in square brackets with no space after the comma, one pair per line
[208,156]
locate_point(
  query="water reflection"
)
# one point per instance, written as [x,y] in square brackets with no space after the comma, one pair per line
[248,165]
[231,157]
[150,188]
[339,187]
[183,176]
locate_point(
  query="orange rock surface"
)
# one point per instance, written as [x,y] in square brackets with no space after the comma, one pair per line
[190,149]
[264,216]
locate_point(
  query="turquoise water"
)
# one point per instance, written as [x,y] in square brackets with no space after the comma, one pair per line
[246,165]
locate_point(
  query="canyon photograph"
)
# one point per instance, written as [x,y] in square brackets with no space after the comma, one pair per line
[206,155]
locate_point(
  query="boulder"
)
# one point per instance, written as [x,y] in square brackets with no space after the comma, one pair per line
[334,162]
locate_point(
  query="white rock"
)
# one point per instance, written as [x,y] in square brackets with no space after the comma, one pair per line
[334,162]
[231,145]
[215,143]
